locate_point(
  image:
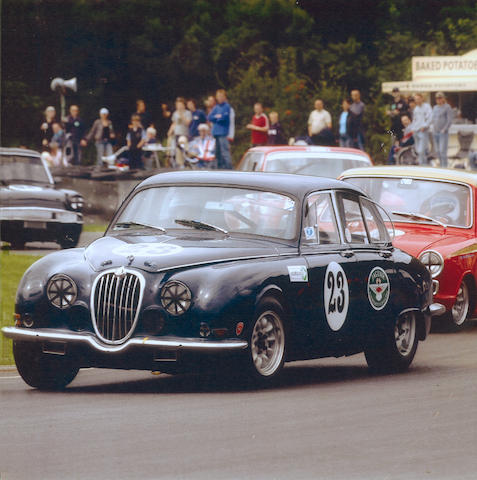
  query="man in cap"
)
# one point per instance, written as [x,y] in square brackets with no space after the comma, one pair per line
[398,108]
[203,148]
[442,117]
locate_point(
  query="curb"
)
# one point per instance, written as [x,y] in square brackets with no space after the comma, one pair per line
[7,368]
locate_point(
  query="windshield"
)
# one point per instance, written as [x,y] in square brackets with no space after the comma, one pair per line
[320,165]
[212,208]
[443,202]
[22,169]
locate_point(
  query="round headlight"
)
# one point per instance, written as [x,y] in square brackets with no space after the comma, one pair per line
[176,297]
[433,261]
[61,291]
[76,202]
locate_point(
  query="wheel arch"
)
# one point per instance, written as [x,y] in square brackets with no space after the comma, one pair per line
[420,320]
[469,279]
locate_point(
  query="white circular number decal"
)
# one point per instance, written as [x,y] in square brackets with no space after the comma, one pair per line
[147,249]
[336,295]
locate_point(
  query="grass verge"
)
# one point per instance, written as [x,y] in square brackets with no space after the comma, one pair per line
[95,227]
[12,267]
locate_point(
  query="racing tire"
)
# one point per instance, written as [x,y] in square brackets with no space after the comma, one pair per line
[394,349]
[43,371]
[265,355]
[458,315]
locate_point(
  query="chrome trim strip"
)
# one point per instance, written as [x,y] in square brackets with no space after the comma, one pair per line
[40,214]
[167,343]
[225,260]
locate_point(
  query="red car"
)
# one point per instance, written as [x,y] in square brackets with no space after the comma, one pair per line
[434,213]
[303,160]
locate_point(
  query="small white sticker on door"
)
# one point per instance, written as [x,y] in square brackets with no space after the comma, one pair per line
[298,273]
[336,296]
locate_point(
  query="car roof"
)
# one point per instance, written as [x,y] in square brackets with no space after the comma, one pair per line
[19,152]
[295,185]
[308,148]
[415,172]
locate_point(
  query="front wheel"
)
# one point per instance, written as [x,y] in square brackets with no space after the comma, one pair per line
[394,349]
[460,310]
[265,355]
[43,371]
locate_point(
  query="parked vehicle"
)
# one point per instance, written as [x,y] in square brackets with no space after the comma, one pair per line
[303,160]
[435,216]
[199,270]
[31,208]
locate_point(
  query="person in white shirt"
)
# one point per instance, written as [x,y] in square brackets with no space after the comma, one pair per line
[318,122]
[203,148]
[421,121]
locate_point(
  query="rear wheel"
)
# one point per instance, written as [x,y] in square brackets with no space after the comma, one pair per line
[395,348]
[265,355]
[43,371]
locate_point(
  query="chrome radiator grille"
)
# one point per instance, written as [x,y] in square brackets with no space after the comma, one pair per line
[117,297]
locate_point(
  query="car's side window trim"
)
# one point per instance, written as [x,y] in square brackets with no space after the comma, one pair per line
[369,245]
[320,246]
[376,206]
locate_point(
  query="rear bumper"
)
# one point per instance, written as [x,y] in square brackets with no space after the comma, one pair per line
[62,339]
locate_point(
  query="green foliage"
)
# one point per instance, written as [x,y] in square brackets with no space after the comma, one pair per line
[12,268]
[281,52]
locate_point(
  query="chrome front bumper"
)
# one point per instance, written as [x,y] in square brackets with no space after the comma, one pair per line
[39,214]
[88,340]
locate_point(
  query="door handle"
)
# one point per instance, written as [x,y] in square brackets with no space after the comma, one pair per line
[385,254]
[347,253]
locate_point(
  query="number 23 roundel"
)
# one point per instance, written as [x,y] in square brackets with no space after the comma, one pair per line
[336,295]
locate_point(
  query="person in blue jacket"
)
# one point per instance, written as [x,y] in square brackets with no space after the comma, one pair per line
[219,117]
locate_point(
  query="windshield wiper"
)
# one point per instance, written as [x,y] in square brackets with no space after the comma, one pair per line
[419,216]
[137,224]
[199,225]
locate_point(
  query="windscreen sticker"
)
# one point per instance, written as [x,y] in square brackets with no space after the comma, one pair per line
[379,288]
[298,273]
[310,233]
[147,249]
[336,296]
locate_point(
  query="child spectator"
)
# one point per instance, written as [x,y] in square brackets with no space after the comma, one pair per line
[58,135]
[135,139]
[344,124]
[275,132]
[198,117]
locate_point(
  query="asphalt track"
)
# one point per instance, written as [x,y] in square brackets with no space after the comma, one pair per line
[326,419]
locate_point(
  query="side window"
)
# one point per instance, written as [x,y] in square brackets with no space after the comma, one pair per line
[353,223]
[376,228]
[320,226]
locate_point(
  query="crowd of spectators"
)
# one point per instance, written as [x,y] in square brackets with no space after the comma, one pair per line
[204,136]
[415,123]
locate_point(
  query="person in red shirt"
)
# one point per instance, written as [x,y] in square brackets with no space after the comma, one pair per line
[259,126]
